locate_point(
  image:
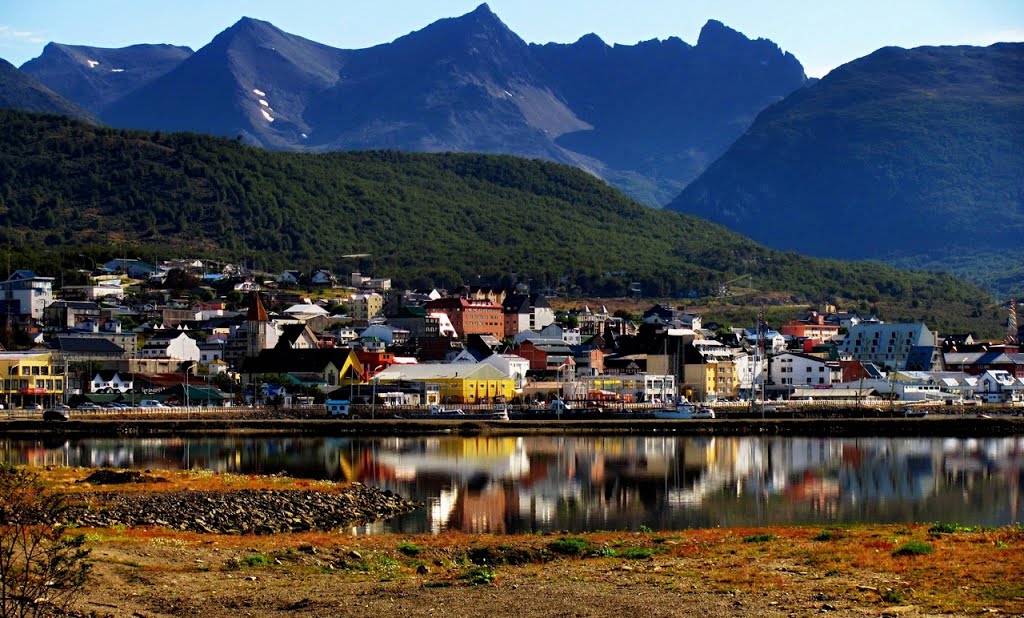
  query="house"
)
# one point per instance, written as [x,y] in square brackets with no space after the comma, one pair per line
[86,348]
[998,386]
[511,365]
[892,345]
[289,277]
[304,312]
[813,327]
[296,337]
[365,306]
[526,312]
[110,382]
[69,313]
[136,269]
[791,370]
[27,294]
[334,366]
[591,322]
[176,345]
[31,378]
[457,383]
[323,277]
[663,314]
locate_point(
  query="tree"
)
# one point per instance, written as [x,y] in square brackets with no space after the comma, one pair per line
[42,570]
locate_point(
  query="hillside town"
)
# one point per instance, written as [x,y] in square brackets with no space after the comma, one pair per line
[189,333]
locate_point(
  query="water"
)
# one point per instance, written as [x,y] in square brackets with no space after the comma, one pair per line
[545,483]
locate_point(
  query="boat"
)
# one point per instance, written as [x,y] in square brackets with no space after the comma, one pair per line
[685,410]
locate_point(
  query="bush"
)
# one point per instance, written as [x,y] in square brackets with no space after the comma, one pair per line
[826,535]
[255,560]
[42,571]
[913,548]
[569,546]
[759,538]
[944,529]
[409,549]
[637,553]
[480,576]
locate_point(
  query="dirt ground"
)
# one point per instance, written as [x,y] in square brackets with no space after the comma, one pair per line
[861,570]
[785,572]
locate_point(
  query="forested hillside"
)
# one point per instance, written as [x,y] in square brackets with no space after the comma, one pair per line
[427,219]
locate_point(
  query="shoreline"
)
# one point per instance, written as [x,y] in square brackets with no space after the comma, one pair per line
[767,572]
[934,426]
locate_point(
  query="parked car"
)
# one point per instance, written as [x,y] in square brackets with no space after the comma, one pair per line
[55,414]
[87,406]
[151,403]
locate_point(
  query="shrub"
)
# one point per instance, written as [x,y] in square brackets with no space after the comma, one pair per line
[637,553]
[826,535]
[573,546]
[479,576]
[892,595]
[409,549]
[759,538]
[255,560]
[913,548]
[944,529]
[42,570]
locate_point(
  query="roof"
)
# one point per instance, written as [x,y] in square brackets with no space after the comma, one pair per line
[306,309]
[280,360]
[441,371]
[257,313]
[86,345]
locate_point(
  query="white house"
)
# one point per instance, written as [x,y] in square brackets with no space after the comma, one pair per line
[110,382]
[303,313]
[177,345]
[26,293]
[999,386]
[792,369]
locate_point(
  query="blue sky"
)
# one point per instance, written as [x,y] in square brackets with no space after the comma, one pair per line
[822,34]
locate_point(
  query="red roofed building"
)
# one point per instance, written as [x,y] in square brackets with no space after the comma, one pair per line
[812,328]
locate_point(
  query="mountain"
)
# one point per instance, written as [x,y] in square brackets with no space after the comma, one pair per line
[94,77]
[428,219]
[252,80]
[911,156]
[661,111]
[461,84]
[20,91]
[646,117]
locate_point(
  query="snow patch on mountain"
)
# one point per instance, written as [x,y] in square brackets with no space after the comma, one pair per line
[93,63]
[266,115]
[258,92]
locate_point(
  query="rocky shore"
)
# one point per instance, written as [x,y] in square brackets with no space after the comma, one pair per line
[241,512]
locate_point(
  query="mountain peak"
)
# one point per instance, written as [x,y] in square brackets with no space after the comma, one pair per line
[715,34]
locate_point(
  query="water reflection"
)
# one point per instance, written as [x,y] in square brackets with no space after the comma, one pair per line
[514,484]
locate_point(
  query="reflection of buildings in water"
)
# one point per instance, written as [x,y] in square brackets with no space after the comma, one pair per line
[496,458]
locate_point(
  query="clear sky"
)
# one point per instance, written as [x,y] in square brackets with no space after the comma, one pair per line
[822,34]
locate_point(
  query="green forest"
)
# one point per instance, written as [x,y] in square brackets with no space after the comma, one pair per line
[71,191]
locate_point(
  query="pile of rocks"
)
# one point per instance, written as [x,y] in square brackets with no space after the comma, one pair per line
[243,511]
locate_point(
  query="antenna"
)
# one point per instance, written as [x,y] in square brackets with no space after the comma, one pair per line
[357,257]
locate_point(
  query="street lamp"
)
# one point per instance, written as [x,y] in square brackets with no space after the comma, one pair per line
[185,386]
[373,392]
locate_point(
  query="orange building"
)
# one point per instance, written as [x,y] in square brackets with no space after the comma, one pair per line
[811,328]
[471,317]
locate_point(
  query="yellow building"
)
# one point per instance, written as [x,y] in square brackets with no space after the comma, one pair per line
[30,379]
[457,382]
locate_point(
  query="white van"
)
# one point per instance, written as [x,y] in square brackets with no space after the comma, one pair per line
[151,403]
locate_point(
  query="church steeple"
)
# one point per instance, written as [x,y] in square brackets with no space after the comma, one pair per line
[257,325]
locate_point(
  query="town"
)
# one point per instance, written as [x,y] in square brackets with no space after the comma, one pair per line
[186,333]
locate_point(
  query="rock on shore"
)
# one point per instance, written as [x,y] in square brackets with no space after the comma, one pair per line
[242,511]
